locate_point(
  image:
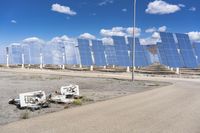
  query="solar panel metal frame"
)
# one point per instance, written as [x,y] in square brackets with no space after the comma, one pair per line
[140,53]
[170,49]
[186,51]
[85,52]
[98,52]
[121,49]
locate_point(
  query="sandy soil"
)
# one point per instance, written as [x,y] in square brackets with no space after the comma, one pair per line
[12,83]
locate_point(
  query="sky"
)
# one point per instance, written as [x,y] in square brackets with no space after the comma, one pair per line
[33,20]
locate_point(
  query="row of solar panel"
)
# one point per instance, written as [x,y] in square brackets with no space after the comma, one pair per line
[176,50]
[82,52]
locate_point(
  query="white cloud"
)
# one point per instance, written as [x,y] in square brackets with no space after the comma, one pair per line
[154,29]
[181,5]
[150,30]
[33,40]
[120,31]
[162,28]
[105,2]
[13,21]
[162,7]
[193,9]
[87,36]
[155,37]
[107,41]
[60,40]
[194,36]
[63,9]
[124,10]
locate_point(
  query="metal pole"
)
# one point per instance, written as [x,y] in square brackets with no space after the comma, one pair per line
[133,47]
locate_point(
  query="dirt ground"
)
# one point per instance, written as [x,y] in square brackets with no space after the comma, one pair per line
[97,89]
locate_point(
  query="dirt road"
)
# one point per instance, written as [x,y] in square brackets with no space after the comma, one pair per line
[170,109]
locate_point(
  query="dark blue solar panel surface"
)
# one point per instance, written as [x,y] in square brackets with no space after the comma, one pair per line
[15,53]
[121,49]
[98,51]
[197,52]
[170,50]
[140,53]
[186,51]
[85,52]
[111,58]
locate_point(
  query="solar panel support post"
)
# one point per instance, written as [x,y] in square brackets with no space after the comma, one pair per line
[91,68]
[127,69]
[63,66]
[7,60]
[177,71]
[133,47]
[104,67]
[22,60]
[41,66]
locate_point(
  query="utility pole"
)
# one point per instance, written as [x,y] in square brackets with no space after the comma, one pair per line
[133,45]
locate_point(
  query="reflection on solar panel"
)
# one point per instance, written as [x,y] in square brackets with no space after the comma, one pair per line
[140,53]
[152,54]
[162,56]
[85,52]
[111,58]
[15,53]
[197,52]
[71,54]
[47,54]
[57,52]
[32,53]
[121,49]
[186,50]
[169,48]
[2,55]
[98,52]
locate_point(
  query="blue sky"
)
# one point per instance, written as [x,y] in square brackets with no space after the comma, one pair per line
[46,19]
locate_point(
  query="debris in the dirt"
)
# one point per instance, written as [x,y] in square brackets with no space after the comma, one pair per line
[67,94]
[31,100]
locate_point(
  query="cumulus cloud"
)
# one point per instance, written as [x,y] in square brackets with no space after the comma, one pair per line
[155,37]
[63,9]
[162,7]
[154,29]
[120,31]
[13,21]
[60,40]
[162,28]
[105,2]
[87,36]
[150,30]
[33,40]
[194,36]
[107,41]
[193,9]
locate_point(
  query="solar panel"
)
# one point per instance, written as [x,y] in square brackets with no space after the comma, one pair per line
[110,54]
[152,54]
[85,52]
[47,54]
[197,51]
[2,55]
[121,49]
[170,50]
[71,54]
[32,53]
[161,54]
[98,52]
[15,54]
[186,50]
[140,53]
